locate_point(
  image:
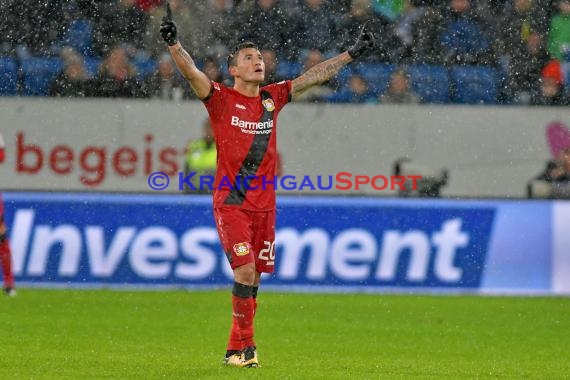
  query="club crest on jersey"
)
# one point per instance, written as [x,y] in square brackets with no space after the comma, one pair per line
[268,104]
[241,249]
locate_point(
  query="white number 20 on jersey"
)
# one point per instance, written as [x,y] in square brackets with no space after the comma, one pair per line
[268,253]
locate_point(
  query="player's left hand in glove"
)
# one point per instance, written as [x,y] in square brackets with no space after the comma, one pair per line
[168,28]
[364,42]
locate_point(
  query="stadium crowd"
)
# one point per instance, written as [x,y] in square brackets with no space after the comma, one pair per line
[446,51]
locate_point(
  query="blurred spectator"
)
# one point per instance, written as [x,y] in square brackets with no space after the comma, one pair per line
[522,28]
[351,23]
[403,31]
[317,93]
[148,5]
[270,60]
[119,22]
[521,19]
[390,9]
[165,83]
[117,77]
[553,172]
[9,35]
[551,87]
[77,27]
[360,91]
[73,81]
[464,39]
[559,36]
[290,6]
[218,30]
[267,27]
[525,68]
[408,32]
[554,181]
[316,27]
[357,91]
[213,70]
[565,162]
[426,30]
[201,158]
[399,91]
[496,8]
[186,16]
[32,26]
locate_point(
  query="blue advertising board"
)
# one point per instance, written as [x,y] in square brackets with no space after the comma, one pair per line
[343,244]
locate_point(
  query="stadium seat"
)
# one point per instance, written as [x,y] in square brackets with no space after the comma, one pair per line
[463,36]
[80,37]
[8,76]
[92,65]
[344,74]
[473,85]
[288,69]
[225,71]
[39,73]
[377,75]
[431,83]
[145,66]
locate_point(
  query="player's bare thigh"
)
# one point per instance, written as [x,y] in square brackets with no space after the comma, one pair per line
[246,274]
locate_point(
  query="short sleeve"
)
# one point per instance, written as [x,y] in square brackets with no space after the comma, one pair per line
[214,101]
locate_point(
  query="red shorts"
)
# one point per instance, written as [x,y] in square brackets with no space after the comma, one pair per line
[247,237]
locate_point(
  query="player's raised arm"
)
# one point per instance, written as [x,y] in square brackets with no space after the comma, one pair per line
[325,70]
[197,79]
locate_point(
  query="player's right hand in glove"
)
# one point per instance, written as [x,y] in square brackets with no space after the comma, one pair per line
[168,28]
[364,42]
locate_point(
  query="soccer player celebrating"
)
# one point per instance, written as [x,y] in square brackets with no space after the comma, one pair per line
[5,253]
[244,120]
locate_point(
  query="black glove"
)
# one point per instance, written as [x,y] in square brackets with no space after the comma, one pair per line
[365,41]
[168,28]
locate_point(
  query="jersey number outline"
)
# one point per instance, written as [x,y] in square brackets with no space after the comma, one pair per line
[268,253]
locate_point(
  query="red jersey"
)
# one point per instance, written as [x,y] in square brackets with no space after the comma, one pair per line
[245,129]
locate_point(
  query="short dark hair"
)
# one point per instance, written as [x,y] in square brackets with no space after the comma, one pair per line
[212,59]
[232,58]
[403,72]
